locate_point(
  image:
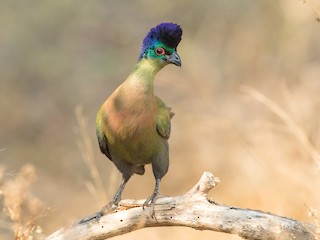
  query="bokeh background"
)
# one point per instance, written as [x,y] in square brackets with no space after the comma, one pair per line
[246,101]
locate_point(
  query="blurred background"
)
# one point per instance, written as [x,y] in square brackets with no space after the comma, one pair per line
[246,101]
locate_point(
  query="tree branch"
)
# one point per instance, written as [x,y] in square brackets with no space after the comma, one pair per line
[192,209]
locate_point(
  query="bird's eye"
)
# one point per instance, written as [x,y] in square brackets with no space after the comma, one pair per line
[160,51]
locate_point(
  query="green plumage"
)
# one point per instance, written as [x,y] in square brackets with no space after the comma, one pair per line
[133,125]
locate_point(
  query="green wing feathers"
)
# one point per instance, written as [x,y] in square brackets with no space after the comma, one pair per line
[103,142]
[164,115]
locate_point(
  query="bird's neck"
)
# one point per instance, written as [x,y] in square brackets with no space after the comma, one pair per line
[148,67]
[143,75]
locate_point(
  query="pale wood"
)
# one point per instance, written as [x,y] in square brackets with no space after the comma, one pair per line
[194,210]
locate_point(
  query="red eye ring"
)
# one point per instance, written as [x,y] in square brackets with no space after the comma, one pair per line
[159,51]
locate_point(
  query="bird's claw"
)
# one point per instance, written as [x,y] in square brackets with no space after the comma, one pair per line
[152,200]
[95,216]
[111,206]
[103,211]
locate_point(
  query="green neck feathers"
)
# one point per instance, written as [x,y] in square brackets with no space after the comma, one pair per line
[147,68]
[142,77]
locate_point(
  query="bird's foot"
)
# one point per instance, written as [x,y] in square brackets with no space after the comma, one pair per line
[95,216]
[151,200]
[111,206]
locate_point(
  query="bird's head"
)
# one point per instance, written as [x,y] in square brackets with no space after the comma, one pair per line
[161,43]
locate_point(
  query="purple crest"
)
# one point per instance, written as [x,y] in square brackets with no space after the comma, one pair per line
[167,33]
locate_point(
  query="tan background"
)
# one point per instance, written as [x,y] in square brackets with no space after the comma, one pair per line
[57,55]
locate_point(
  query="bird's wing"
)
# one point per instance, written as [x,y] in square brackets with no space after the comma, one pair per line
[103,141]
[163,119]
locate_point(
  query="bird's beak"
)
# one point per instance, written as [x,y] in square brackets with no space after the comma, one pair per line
[174,58]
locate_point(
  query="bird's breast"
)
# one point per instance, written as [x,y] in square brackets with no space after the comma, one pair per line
[130,125]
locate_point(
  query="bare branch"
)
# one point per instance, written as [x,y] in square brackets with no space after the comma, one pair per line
[194,210]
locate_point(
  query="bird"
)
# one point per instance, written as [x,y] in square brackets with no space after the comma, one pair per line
[133,125]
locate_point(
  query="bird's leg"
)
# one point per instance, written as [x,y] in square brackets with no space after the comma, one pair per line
[117,197]
[153,198]
[111,205]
